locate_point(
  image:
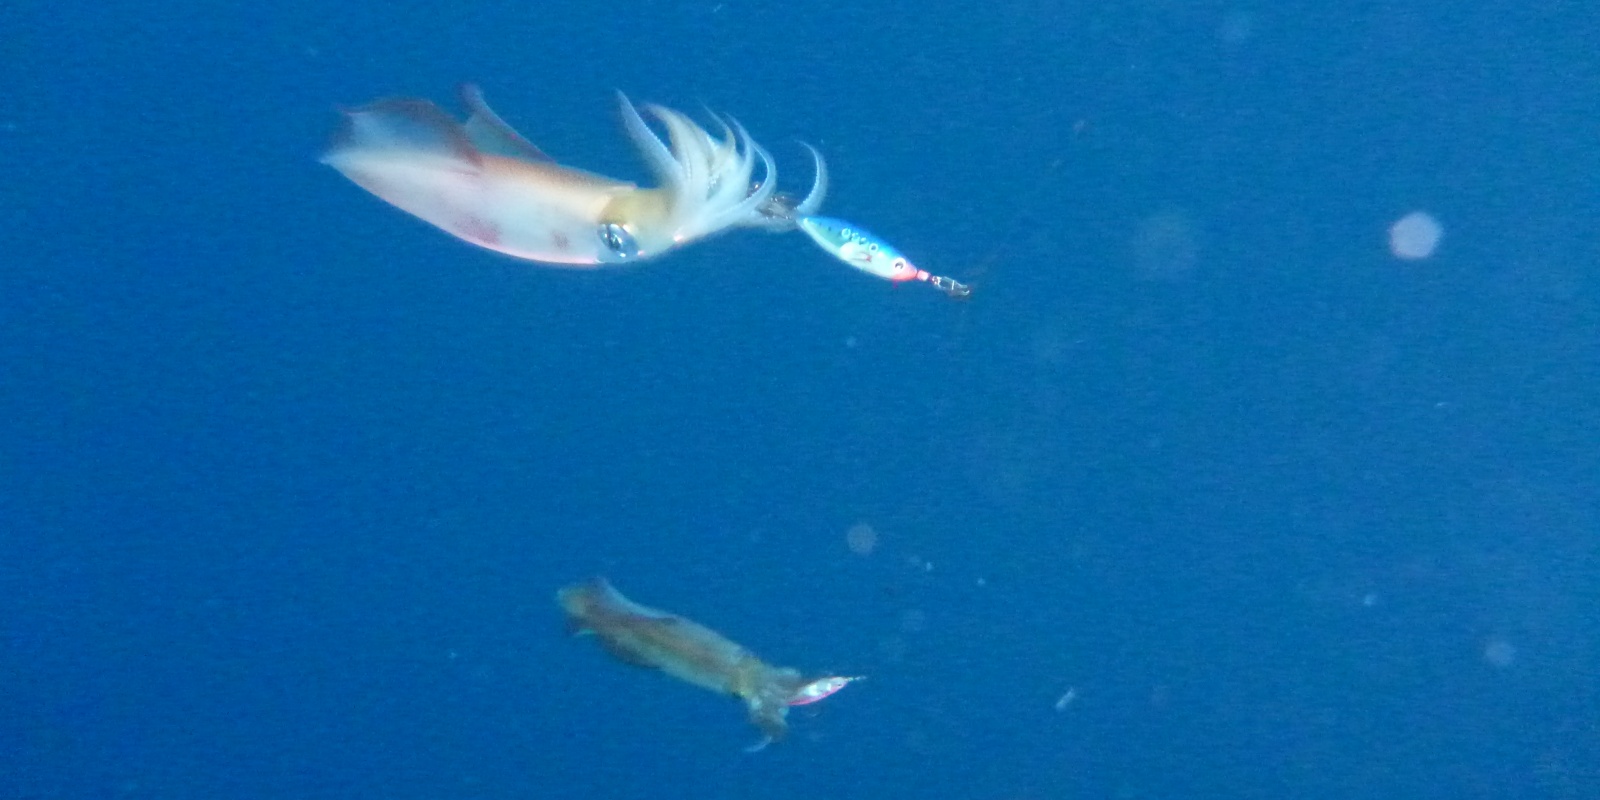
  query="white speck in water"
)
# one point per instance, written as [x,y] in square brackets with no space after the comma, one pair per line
[1499,652]
[1415,236]
[1066,699]
[861,539]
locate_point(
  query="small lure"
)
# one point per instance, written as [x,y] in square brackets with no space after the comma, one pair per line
[822,689]
[819,689]
[870,254]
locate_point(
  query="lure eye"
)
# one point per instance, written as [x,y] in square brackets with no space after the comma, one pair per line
[617,239]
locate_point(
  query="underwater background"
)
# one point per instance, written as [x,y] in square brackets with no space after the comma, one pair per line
[1205,492]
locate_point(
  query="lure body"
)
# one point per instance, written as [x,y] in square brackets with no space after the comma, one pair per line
[871,254]
[859,248]
[482,182]
[821,689]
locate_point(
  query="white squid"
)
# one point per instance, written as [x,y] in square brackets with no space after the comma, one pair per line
[482,182]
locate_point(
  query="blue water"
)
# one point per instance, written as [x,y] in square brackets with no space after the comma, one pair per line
[288,479]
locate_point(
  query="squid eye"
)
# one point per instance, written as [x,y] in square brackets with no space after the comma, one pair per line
[900,264]
[617,239]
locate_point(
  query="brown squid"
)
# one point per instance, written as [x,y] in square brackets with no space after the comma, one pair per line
[693,653]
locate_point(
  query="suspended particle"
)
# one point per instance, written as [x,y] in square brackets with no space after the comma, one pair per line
[861,539]
[1415,236]
[1499,652]
[1166,247]
[1066,699]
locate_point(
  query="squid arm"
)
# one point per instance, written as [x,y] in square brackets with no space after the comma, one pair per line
[483,182]
[783,212]
[690,652]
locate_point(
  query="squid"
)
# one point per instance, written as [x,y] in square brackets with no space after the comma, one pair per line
[482,182]
[693,653]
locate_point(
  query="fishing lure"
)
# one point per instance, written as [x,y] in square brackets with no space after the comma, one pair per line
[867,252]
[822,689]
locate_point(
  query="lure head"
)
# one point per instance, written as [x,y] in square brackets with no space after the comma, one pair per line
[821,689]
[859,248]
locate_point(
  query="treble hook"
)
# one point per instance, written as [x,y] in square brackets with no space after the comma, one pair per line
[950,286]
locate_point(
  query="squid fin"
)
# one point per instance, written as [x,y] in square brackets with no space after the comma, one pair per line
[490,133]
[416,128]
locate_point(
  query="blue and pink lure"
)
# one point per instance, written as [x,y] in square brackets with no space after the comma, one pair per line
[867,252]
